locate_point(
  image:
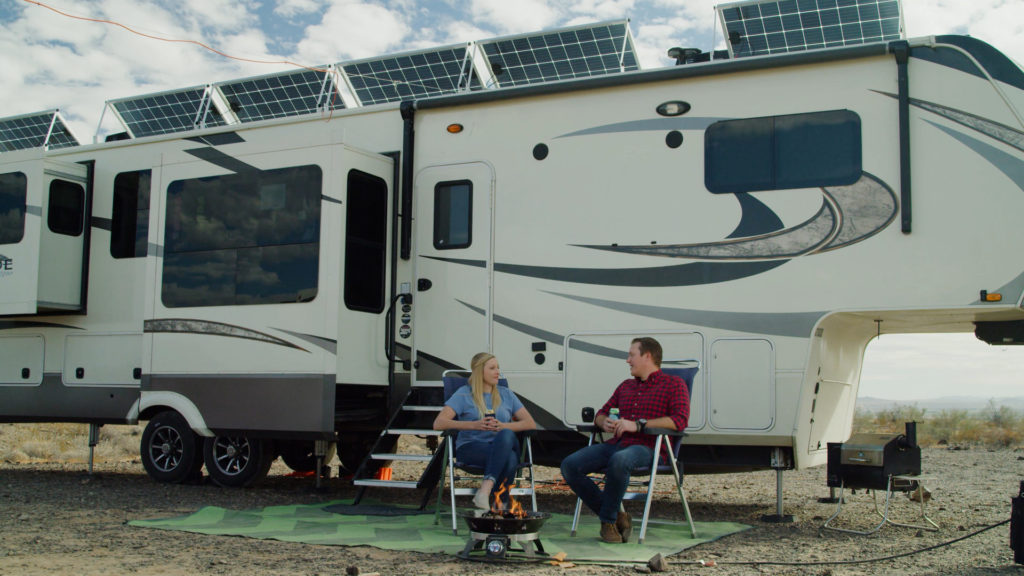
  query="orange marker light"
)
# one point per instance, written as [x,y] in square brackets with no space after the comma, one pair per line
[987,296]
[454,128]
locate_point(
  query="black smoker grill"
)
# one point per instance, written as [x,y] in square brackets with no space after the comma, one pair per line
[868,460]
[878,462]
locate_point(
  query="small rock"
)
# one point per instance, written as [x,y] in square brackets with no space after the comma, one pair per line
[961,528]
[23,517]
[352,571]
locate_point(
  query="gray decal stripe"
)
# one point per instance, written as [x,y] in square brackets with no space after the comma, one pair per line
[474,263]
[1001,132]
[1006,163]
[656,124]
[694,274]
[327,198]
[101,223]
[218,139]
[551,337]
[155,250]
[189,326]
[218,158]
[327,344]
[1013,288]
[4,258]
[755,218]
[865,209]
[795,324]
[14,324]
[34,210]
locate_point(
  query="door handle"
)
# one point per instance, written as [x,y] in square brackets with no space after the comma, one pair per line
[423,284]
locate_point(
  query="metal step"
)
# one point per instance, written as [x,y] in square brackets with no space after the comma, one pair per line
[422,408]
[413,431]
[386,483]
[428,384]
[405,457]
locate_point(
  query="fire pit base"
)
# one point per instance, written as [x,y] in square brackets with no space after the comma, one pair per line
[497,546]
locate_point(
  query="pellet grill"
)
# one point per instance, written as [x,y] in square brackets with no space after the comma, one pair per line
[868,461]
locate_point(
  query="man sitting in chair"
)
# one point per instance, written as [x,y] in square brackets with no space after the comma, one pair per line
[650,399]
[487,416]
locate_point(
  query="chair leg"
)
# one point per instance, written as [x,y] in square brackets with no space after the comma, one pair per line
[682,496]
[451,482]
[650,488]
[576,516]
[533,486]
[440,487]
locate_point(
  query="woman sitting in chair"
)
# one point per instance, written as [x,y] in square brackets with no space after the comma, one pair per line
[487,417]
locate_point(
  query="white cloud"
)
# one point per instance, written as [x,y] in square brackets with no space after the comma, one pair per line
[290,8]
[515,17]
[351,30]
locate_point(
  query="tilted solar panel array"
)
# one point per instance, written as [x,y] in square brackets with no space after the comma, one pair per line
[281,95]
[175,111]
[561,55]
[412,75]
[34,131]
[757,28]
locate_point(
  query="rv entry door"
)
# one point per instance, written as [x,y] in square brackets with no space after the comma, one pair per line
[453,267]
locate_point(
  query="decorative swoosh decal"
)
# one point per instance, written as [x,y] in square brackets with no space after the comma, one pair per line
[755,218]
[694,274]
[1006,163]
[657,124]
[13,324]
[325,343]
[189,326]
[1001,132]
[4,258]
[848,214]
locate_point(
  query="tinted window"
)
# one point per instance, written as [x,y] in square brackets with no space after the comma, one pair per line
[129,227]
[247,238]
[366,225]
[453,209]
[783,152]
[67,208]
[13,188]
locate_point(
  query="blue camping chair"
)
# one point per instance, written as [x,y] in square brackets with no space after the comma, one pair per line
[642,480]
[461,471]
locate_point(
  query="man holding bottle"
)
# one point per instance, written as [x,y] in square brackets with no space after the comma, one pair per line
[650,399]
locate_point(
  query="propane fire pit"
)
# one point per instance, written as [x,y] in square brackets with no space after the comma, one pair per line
[494,532]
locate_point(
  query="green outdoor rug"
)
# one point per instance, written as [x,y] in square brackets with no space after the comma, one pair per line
[312,524]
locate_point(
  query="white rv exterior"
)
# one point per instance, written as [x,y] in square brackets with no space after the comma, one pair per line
[765,217]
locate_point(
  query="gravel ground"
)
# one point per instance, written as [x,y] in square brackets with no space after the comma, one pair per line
[56,518]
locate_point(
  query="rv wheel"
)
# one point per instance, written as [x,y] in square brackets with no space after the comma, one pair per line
[237,461]
[170,451]
[298,455]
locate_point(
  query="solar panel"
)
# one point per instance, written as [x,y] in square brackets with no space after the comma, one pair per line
[593,50]
[412,75]
[280,95]
[175,111]
[34,131]
[759,27]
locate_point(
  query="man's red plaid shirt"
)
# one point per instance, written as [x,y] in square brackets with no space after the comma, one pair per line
[660,395]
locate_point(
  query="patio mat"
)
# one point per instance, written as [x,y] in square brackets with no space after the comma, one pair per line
[312,524]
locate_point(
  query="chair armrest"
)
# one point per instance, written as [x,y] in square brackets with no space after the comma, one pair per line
[664,431]
[588,429]
[449,433]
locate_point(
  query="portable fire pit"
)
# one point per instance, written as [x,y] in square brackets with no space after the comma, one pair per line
[495,532]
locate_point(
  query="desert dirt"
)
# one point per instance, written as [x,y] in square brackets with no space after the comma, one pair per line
[57,519]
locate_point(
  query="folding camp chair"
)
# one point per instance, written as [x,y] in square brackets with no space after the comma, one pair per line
[642,480]
[453,382]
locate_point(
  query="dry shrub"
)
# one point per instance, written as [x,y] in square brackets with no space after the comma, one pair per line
[997,426]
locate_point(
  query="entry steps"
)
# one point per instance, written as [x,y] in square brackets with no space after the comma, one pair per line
[415,417]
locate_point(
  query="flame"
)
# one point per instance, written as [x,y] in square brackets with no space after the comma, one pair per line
[515,509]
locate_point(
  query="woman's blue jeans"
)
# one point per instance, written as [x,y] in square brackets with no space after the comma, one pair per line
[617,462]
[499,458]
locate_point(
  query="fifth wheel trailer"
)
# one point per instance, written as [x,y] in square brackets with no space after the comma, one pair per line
[250,287]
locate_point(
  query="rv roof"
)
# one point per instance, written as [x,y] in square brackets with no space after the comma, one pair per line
[758,27]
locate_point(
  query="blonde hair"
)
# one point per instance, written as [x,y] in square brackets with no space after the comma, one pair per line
[476,383]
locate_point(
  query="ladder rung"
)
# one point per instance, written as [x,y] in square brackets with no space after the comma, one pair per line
[405,457]
[386,483]
[414,431]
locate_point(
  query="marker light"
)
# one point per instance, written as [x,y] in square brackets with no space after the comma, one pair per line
[454,128]
[987,296]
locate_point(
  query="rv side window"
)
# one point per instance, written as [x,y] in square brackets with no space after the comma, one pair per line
[129,226]
[246,238]
[366,225]
[453,209]
[13,189]
[783,152]
[67,208]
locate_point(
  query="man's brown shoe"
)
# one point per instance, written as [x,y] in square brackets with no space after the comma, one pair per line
[624,524]
[610,534]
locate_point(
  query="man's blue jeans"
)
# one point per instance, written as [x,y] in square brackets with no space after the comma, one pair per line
[499,458]
[619,462]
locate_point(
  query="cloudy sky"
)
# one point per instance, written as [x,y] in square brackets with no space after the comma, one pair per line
[49,60]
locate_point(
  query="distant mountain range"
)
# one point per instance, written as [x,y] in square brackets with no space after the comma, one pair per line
[934,405]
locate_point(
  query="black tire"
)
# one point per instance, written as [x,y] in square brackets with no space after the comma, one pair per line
[299,455]
[355,447]
[237,461]
[170,451]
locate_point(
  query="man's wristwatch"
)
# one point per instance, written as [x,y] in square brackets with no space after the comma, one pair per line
[641,425]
